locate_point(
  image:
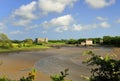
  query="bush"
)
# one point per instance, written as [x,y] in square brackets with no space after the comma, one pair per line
[4,79]
[106,69]
[61,76]
[30,77]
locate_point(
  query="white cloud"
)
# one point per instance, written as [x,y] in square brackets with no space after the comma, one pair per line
[99,3]
[21,23]
[16,32]
[101,18]
[67,22]
[26,11]
[118,21]
[79,27]
[62,28]
[105,25]
[24,15]
[61,23]
[54,5]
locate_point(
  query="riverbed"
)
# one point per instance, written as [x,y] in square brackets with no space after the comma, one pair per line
[51,61]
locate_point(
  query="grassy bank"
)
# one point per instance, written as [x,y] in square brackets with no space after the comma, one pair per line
[32,48]
[16,47]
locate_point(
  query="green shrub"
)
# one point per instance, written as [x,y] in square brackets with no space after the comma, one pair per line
[106,68]
[61,76]
[4,79]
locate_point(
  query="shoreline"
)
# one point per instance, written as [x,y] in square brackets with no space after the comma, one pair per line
[29,49]
[16,65]
[22,50]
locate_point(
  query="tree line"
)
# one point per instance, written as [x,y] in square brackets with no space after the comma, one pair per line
[5,42]
[114,41]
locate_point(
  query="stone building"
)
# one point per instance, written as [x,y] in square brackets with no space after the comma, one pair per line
[101,41]
[39,40]
[83,43]
[89,42]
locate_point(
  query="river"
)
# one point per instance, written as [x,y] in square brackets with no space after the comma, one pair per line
[71,58]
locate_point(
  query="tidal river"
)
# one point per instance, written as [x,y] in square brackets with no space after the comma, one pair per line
[71,58]
[49,62]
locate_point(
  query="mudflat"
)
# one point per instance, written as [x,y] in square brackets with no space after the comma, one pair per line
[51,61]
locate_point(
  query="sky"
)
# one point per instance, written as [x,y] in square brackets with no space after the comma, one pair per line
[59,19]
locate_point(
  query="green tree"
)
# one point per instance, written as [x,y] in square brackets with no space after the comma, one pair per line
[28,42]
[5,41]
[114,41]
[72,41]
[81,40]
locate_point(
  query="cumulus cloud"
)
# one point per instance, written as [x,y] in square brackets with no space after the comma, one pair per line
[99,3]
[54,5]
[79,27]
[62,28]
[67,23]
[26,11]
[61,23]
[101,18]
[21,23]
[24,15]
[105,24]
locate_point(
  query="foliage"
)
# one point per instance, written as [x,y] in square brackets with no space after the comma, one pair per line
[4,79]
[106,69]
[56,41]
[108,40]
[5,41]
[28,42]
[30,77]
[61,76]
[96,40]
[16,41]
[80,40]
[19,45]
[72,41]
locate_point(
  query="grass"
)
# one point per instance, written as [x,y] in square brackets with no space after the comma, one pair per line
[31,48]
[55,43]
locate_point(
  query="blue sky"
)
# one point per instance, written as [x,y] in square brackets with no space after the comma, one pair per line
[59,19]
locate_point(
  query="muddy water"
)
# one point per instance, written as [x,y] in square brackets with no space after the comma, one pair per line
[68,57]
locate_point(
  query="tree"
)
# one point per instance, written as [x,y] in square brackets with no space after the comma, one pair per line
[115,41]
[5,41]
[71,41]
[28,42]
[81,40]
